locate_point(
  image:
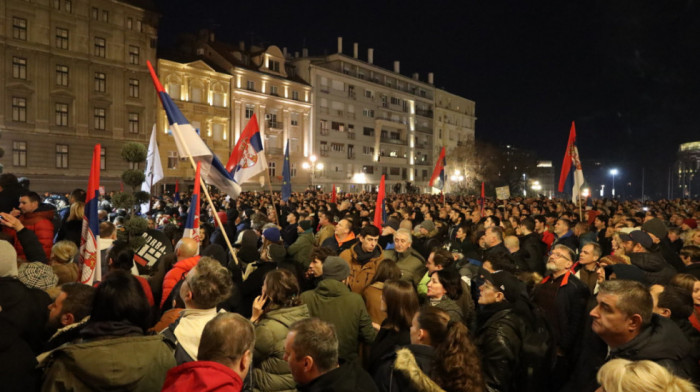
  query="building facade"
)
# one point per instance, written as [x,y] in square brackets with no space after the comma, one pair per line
[454,129]
[219,89]
[687,168]
[74,75]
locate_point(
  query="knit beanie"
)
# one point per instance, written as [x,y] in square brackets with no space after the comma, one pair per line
[335,268]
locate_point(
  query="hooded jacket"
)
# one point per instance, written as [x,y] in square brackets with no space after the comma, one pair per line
[333,302]
[270,371]
[406,370]
[202,376]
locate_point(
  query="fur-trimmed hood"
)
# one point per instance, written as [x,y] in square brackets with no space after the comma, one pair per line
[407,365]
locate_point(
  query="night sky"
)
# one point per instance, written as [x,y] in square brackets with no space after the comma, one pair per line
[628,72]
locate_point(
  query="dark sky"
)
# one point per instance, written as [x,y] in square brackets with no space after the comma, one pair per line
[627,71]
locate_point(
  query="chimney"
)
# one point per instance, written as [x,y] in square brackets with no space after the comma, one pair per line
[415,76]
[305,52]
[284,52]
[370,56]
[430,78]
[340,44]
[241,45]
[355,49]
[397,67]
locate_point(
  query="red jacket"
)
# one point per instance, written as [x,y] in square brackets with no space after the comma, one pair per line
[175,275]
[202,376]
[40,222]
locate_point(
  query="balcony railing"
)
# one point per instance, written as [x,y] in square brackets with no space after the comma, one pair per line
[274,124]
[393,141]
[424,113]
[324,131]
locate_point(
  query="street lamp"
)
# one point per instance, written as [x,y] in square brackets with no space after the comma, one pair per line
[613,173]
[313,166]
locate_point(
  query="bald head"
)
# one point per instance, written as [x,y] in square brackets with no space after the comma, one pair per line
[186,247]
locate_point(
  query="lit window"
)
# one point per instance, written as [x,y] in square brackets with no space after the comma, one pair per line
[271,167]
[249,110]
[172,159]
[100,82]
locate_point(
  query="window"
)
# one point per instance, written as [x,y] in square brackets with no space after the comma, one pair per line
[105,16]
[19,109]
[395,101]
[293,169]
[19,29]
[62,75]
[272,168]
[295,122]
[100,47]
[100,82]
[338,147]
[324,149]
[19,154]
[134,88]
[172,160]
[324,127]
[218,99]
[368,131]
[133,123]
[368,150]
[174,90]
[368,169]
[129,23]
[95,13]
[218,130]
[338,126]
[273,91]
[138,26]
[62,156]
[133,55]
[196,94]
[295,95]
[273,65]
[369,94]
[249,110]
[100,118]
[61,38]
[57,4]
[250,85]
[394,171]
[62,114]
[19,68]
[69,6]
[368,113]
[103,158]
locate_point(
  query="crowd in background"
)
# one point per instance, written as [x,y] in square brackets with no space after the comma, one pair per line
[451,293]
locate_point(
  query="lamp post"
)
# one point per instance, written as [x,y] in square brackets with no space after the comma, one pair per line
[613,173]
[312,166]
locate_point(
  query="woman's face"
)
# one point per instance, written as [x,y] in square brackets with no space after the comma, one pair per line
[435,288]
[202,234]
[696,238]
[415,330]
[696,293]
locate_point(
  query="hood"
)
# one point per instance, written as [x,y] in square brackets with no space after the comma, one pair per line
[40,213]
[661,340]
[202,376]
[287,316]
[406,364]
[331,288]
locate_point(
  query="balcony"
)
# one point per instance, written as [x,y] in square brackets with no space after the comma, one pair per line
[274,151]
[351,155]
[387,160]
[424,113]
[324,131]
[325,89]
[424,129]
[351,135]
[274,124]
[393,141]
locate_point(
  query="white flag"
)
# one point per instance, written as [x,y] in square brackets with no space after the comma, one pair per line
[154,169]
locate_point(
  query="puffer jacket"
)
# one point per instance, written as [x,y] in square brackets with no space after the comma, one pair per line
[175,275]
[40,222]
[131,363]
[655,268]
[499,341]
[202,376]
[270,371]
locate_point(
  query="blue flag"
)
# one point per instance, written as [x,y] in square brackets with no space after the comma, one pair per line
[286,176]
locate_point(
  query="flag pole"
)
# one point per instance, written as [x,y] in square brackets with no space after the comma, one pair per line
[176,132]
[272,195]
[580,207]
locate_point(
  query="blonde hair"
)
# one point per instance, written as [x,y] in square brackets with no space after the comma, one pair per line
[63,252]
[77,211]
[621,375]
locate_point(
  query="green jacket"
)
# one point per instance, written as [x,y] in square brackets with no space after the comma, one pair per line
[270,371]
[132,363]
[301,249]
[333,302]
[410,262]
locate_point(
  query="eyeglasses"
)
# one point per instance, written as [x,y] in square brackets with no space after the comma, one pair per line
[561,256]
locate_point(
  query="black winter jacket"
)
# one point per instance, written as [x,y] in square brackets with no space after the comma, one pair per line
[499,341]
[655,268]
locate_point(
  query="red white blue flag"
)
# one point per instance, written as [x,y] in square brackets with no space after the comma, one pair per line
[90,266]
[571,157]
[192,222]
[380,207]
[247,158]
[439,171]
[189,143]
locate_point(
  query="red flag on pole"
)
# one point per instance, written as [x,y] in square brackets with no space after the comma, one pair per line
[89,262]
[439,170]
[483,199]
[566,165]
[379,211]
[334,197]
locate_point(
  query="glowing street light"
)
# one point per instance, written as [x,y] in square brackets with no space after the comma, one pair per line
[613,173]
[313,166]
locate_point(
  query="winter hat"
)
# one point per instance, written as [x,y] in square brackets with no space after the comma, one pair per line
[624,237]
[216,252]
[305,225]
[656,227]
[690,222]
[626,272]
[335,268]
[393,223]
[428,225]
[37,275]
[642,239]
[8,259]
[277,253]
[508,284]
[272,234]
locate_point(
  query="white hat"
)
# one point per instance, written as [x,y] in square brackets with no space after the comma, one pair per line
[8,259]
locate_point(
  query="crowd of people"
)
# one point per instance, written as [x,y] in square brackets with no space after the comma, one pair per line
[450,294]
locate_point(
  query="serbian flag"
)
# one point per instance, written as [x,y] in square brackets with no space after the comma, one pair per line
[439,171]
[482,200]
[286,176]
[571,157]
[176,195]
[247,158]
[189,143]
[192,222]
[379,208]
[89,265]
[334,196]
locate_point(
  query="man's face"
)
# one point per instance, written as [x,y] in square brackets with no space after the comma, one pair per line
[491,238]
[539,226]
[296,365]
[316,267]
[369,242]
[401,242]
[488,294]
[608,320]
[430,264]
[461,234]
[559,260]
[599,224]
[489,223]
[587,256]
[560,228]
[55,312]
[26,205]
[655,290]
[291,219]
